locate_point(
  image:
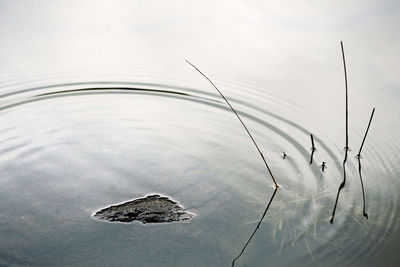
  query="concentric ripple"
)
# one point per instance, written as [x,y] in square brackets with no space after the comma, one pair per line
[69,148]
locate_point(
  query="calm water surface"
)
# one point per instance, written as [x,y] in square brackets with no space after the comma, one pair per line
[97,107]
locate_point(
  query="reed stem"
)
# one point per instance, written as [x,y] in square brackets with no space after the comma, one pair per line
[237,115]
[346,148]
[359,163]
[312,149]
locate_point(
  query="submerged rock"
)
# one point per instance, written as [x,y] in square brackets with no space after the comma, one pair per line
[151,209]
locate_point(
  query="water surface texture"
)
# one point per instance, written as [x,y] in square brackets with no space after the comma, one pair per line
[98,107]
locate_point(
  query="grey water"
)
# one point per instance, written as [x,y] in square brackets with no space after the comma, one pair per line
[98,107]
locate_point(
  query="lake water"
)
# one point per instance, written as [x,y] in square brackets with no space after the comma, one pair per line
[98,107]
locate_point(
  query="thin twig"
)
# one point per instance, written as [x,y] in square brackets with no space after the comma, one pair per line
[365,136]
[237,115]
[346,148]
[312,149]
[255,230]
[359,162]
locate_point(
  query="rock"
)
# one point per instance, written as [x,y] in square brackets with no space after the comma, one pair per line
[151,209]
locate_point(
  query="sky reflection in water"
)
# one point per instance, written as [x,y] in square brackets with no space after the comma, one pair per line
[66,154]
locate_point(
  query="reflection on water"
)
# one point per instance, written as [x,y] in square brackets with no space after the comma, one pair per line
[255,230]
[67,153]
[120,116]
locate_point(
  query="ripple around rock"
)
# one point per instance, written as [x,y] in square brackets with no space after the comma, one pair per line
[151,209]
